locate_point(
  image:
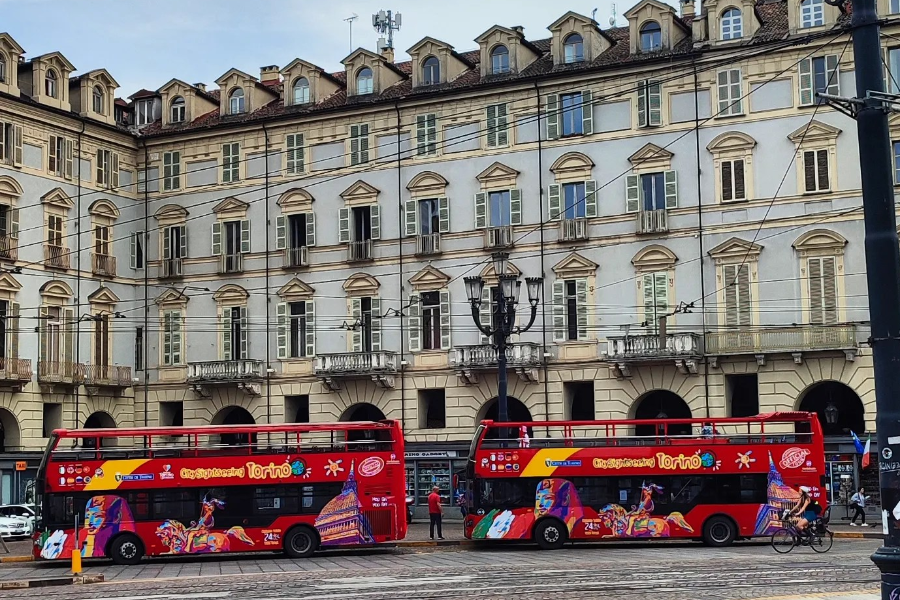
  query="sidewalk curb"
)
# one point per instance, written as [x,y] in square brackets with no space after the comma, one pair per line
[857,535]
[51,582]
[16,559]
[432,544]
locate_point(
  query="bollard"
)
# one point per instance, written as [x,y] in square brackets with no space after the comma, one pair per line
[76,561]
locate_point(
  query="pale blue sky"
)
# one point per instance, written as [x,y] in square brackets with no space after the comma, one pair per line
[146,43]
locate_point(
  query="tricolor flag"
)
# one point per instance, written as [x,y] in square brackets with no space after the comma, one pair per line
[857,443]
[865,456]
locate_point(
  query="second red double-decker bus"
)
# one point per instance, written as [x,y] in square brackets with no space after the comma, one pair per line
[714,479]
[128,493]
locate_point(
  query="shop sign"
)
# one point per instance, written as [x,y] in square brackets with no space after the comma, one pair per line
[434,454]
[21,465]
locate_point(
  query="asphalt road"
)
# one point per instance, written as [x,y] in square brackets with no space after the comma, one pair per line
[637,571]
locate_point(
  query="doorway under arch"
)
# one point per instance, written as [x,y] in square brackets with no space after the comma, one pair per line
[661,404]
[99,420]
[362,411]
[235,415]
[10,434]
[838,407]
[516,410]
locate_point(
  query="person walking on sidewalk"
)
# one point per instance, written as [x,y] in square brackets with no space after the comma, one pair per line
[435,511]
[858,504]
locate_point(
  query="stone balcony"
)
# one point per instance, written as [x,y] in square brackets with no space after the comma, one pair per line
[380,365]
[100,378]
[524,358]
[15,372]
[61,373]
[684,349]
[794,340]
[245,374]
[103,265]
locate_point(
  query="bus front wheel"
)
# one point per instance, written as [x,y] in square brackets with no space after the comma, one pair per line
[719,532]
[126,550]
[550,534]
[300,542]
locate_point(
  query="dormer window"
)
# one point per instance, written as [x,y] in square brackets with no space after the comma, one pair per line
[143,112]
[499,60]
[177,112]
[51,84]
[301,91]
[651,37]
[431,71]
[574,49]
[732,24]
[236,101]
[98,100]
[2,67]
[812,13]
[365,81]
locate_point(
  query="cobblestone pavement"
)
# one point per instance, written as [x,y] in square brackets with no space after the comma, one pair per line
[637,571]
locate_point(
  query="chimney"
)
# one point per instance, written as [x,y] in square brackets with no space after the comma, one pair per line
[270,73]
[687,8]
[519,29]
[388,54]
[200,86]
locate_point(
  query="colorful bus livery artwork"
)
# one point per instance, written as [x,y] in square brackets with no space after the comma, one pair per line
[221,489]
[715,480]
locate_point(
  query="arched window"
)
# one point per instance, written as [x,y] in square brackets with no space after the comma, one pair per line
[651,36]
[812,13]
[365,81]
[98,100]
[431,71]
[732,24]
[177,114]
[301,91]
[236,101]
[574,48]
[499,60]
[2,67]
[51,87]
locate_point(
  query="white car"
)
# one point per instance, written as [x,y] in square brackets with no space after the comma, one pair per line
[13,528]
[20,512]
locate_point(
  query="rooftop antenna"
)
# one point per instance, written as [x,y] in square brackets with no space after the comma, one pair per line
[612,17]
[386,23]
[350,20]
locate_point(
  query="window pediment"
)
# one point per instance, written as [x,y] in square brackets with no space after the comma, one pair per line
[231,293]
[56,197]
[9,284]
[296,290]
[321,84]
[103,295]
[56,60]
[820,241]
[101,77]
[490,276]
[104,208]
[360,192]
[731,141]
[295,200]
[384,73]
[572,165]
[735,250]
[234,77]
[428,183]
[171,214]
[10,45]
[651,156]
[595,42]
[815,131]
[521,52]
[575,265]
[9,187]
[498,175]
[429,279]
[231,208]
[172,297]
[654,257]
[57,289]
[361,284]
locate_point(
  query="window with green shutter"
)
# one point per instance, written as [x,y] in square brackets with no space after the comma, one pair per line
[656,298]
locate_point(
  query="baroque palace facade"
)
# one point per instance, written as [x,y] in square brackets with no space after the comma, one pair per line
[292,247]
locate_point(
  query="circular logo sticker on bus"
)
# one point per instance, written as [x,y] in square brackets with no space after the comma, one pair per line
[887,453]
[794,457]
[371,466]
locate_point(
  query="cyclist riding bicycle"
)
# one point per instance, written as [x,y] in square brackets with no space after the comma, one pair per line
[805,511]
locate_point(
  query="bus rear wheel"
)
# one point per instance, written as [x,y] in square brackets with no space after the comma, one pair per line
[300,542]
[719,532]
[126,550]
[550,534]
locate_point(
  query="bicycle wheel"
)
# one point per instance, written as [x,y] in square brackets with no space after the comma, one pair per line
[821,542]
[783,541]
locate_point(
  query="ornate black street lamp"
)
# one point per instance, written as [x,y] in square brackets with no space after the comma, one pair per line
[504,311]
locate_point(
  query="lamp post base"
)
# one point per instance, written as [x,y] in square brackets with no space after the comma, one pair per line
[887,559]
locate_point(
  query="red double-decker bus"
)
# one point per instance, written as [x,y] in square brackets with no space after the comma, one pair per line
[717,480]
[128,493]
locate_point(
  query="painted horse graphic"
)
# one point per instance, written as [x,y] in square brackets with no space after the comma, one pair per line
[639,522]
[198,539]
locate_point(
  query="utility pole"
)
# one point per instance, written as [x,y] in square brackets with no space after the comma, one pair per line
[882,271]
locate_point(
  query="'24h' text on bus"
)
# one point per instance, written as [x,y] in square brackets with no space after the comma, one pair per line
[714,479]
[229,488]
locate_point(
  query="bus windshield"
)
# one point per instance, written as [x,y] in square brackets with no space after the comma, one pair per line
[219,489]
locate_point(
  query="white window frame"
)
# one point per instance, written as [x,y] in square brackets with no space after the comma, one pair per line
[732,186]
[368,82]
[730,89]
[171,171]
[178,110]
[98,98]
[236,102]
[732,26]
[295,160]
[497,116]
[304,96]
[231,162]
[812,13]
[143,112]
